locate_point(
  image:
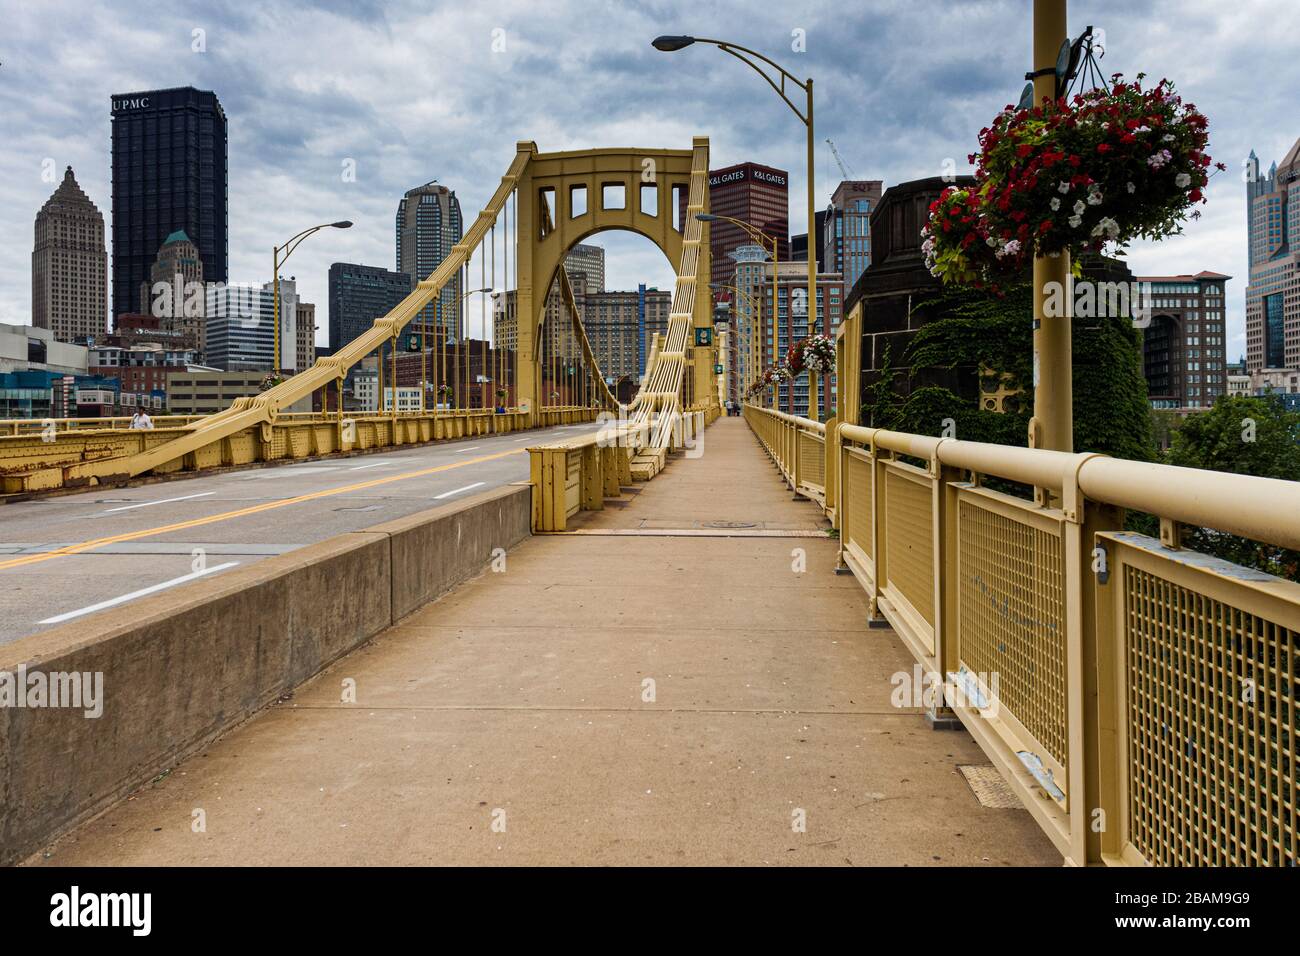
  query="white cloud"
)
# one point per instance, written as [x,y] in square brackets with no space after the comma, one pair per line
[413,91]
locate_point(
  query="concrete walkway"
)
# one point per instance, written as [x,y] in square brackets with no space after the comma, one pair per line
[524,699]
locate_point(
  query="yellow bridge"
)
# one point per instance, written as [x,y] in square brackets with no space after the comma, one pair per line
[740,661]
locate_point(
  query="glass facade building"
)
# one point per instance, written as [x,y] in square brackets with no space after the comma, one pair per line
[169,175]
[360,294]
[1273,295]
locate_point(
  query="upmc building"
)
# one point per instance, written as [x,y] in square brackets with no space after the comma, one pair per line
[169,175]
[758,195]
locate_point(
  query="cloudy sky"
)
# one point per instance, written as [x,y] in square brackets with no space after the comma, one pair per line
[413,91]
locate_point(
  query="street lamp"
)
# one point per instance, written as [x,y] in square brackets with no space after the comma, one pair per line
[669,44]
[278,261]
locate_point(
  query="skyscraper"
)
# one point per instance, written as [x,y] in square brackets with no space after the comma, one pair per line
[847,233]
[752,193]
[70,266]
[1183,346]
[174,291]
[1273,295]
[428,224]
[169,175]
[359,295]
[588,261]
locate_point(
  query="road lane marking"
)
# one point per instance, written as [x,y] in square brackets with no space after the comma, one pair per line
[475,448]
[114,602]
[373,464]
[456,491]
[254,509]
[163,501]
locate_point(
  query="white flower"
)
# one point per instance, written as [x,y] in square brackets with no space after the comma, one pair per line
[1182,180]
[1094,197]
[1063,187]
[1167,138]
[1108,226]
[1055,204]
[1012,248]
[1131,188]
[1075,221]
[1158,160]
[1079,207]
[992,241]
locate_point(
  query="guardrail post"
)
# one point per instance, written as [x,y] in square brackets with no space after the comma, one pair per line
[591,481]
[946,583]
[1091,664]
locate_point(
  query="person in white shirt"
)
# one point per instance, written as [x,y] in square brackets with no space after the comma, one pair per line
[141,419]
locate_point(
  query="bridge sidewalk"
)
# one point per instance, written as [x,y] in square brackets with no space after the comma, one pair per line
[522,698]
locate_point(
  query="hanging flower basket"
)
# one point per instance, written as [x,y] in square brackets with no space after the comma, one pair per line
[782,374]
[819,354]
[1105,167]
[270,381]
[794,358]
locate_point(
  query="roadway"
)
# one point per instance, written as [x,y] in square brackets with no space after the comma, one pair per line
[67,556]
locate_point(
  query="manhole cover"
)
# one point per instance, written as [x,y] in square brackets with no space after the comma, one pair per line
[730,524]
[366,508]
[990,789]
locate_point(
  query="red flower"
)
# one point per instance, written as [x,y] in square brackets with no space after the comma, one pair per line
[1103,147]
[1045,225]
[1023,150]
[1194,195]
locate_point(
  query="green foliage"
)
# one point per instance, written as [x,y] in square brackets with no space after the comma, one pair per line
[1245,436]
[977,329]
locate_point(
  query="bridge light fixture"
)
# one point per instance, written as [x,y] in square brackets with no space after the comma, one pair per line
[671,44]
[706,217]
[342,224]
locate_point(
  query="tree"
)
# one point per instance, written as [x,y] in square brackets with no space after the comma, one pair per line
[1246,436]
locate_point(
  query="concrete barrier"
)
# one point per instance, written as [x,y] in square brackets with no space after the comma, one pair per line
[182,667]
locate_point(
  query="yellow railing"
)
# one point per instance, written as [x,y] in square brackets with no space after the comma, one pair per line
[1140,697]
[41,460]
[797,446]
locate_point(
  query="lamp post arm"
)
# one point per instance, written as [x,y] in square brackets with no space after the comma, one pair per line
[744,53]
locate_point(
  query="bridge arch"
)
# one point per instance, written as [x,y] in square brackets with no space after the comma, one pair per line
[566,197]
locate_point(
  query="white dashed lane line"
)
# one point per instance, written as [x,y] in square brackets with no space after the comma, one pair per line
[113,602]
[456,491]
[161,501]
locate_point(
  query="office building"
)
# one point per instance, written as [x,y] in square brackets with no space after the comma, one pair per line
[203,391]
[653,309]
[240,323]
[793,325]
[169,175]
[305,336]
[1183,347]
[359,295]
[755,194]
[428,224]
[846,229]
[70,266]
[1273,294]
[175,290]
[588,261]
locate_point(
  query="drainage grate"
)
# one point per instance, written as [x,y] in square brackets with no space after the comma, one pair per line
[366,508]
[729,524]
[990,789]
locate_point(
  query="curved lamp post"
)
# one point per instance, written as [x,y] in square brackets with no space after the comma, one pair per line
[783,77]
[278,261]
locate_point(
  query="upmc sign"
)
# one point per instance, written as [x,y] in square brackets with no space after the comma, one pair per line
[751,173]
[138,103]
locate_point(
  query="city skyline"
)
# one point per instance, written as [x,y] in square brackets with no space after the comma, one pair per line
[296,122]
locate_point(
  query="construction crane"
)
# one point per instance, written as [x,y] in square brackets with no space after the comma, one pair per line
[844,169]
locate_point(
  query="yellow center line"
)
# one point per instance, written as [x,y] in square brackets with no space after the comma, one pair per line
[239,513]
